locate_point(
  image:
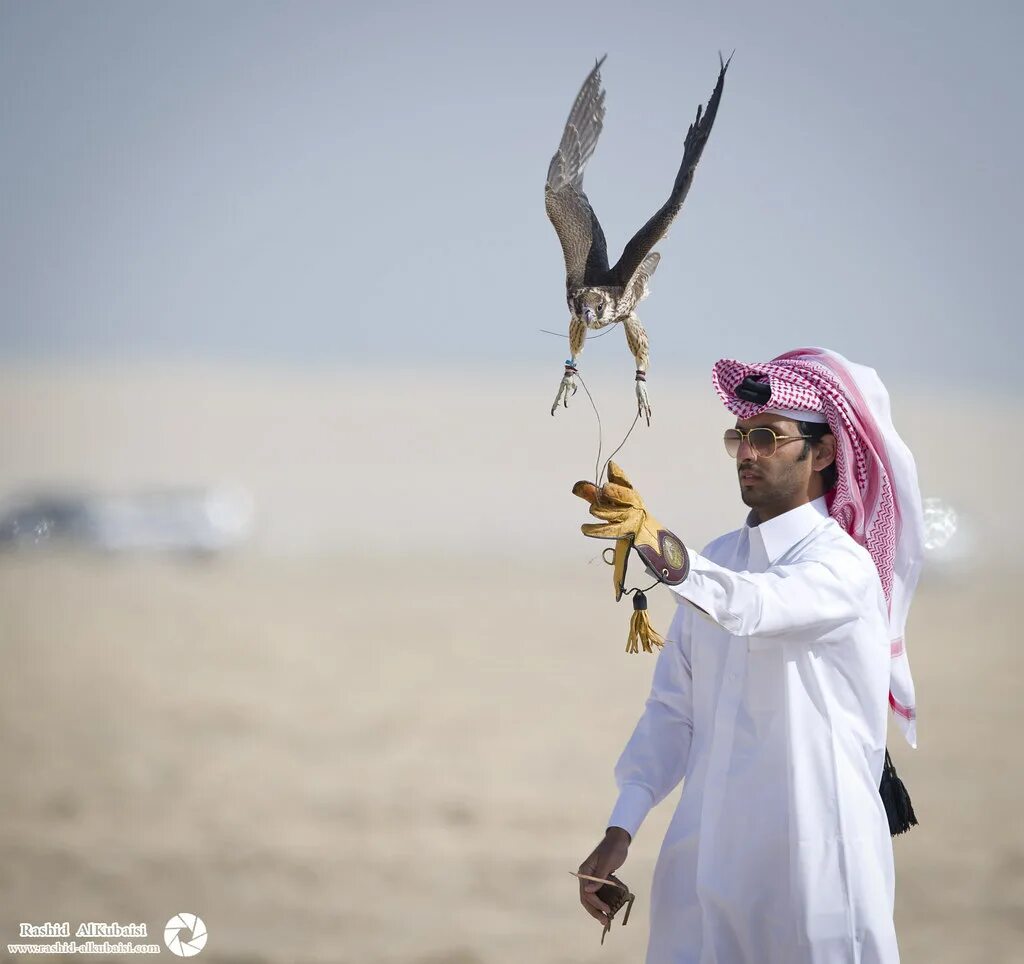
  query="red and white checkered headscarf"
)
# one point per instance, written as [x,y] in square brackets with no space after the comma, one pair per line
[876,498]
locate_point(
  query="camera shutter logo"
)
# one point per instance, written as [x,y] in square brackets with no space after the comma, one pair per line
[185,935]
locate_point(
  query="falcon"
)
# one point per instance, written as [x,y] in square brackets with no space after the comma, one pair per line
[599,295]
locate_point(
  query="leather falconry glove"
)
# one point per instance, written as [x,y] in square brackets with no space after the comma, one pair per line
[626,519]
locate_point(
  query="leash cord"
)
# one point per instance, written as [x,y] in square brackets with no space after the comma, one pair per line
[627,592]
[598,471]
[558,334]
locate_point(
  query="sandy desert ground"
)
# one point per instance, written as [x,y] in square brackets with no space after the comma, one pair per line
[374,752]
[327,766]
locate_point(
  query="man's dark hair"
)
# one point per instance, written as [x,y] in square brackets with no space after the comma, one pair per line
[817,430]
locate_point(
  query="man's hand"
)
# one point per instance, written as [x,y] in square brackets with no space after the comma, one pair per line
[617,503]
[607,857]
[622,509]
[627,520]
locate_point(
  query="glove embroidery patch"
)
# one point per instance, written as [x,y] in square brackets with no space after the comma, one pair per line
[672,550]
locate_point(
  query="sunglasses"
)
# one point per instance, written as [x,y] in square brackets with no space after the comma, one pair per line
[763,441]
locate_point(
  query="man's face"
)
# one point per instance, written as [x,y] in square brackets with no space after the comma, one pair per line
[780,478]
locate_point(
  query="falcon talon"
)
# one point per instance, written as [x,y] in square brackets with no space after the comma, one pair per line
[643,402]
[568,381]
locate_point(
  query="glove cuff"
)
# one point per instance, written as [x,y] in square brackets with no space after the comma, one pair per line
[670,561]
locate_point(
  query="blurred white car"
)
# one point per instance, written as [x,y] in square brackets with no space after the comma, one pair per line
[188,520]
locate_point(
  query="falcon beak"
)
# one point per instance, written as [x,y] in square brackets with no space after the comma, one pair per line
[588,315]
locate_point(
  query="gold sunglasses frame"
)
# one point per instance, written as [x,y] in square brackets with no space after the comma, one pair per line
[745,437]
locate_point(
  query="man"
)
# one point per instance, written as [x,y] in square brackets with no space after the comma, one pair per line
[769,697]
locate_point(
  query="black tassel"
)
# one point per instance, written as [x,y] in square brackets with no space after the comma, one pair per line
[898,807]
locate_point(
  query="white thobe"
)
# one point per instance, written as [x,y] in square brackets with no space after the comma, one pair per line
[770,702]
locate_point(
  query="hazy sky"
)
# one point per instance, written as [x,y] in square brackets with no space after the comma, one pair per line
[363,183]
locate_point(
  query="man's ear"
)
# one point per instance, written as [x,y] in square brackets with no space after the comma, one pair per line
[825,452]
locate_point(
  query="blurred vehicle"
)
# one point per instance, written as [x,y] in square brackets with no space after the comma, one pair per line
[199,521]
[950,541]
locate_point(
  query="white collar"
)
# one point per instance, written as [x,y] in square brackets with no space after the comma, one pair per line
[786,530]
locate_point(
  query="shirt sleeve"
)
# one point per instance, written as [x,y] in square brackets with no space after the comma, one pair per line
[655,758]
[812,596]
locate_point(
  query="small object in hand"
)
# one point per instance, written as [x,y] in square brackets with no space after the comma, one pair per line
[614,893]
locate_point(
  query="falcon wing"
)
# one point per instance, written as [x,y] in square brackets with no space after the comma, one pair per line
[654,230]
[583,243]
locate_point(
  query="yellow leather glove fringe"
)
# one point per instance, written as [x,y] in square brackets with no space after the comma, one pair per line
[640,629]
